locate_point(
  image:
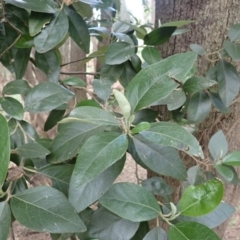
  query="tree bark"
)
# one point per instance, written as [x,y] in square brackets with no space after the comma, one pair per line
[212,18]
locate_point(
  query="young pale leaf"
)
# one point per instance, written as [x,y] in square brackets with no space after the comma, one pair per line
[160,159]
[74,81]
[46,96]
[123,103]
[226,172]
[118,53]
[218,145]
[78,29]
[94,189]
[198,49]
[159,84]
[137,207]
[108,226]
[151,55]
[35,5]
[12,107]
[141,127]
[159,36]
[232,159]
[234,32]
[190,231]
[32,150]
[202,199]
[228,82]
[198,107]
[49,63]
[4,149]
[45,209]
[156,233]
[171,134]
[232,49]
[157,186]
[53,33]
[5,220]
[16,87]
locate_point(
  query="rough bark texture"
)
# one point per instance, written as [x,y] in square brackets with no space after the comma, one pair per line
[212,18]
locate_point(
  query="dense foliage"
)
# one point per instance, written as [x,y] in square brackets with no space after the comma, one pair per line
[78,167]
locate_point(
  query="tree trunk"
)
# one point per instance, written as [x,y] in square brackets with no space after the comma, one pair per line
[212,18]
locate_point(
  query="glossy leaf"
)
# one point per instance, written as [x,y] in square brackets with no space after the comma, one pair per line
[218,145]
[12,107]
[35,5]
[49,63]
[5,220]
[102,88]
[156,233]
[78,29]
[49,215]
[234,32]
[228,82]
[159,36]
[88,103]
[53,33]
[53,118]
[94,189]
[60,175]
[226,172]
[198,49]
[136,62]
[199,107]
[151,55]
[46,96]
[106,225]
[137,207]
[157,186]
[141,127]
[32,150]
[202,199]
[232,49]
[191,230]
[74,81]
[160,159]
[232,159]
[118,53]
[171,134]
[16,87]
[142,93]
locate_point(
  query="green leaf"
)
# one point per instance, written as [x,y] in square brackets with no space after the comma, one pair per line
[108,226]
[160,159]
[217,102]
[94,189]
[102,88]
[35,5]
[46,96]
[234,32]
[37,21]
[171,134]
[118,53]
[199,107]
[136,62]
[123,103]
[92,115]
[226,172]
[127,74]
[157,186]
[88,103]
[214,218]
[197,84]
[111,72]
[26,41]
[228,82]
[53,33]
[145,115]
[151,55]
[49,63]
[37,209]
[60,175]
[83,9]
[218,145]
[53,118]
[12,107]
[156,233]
[78,29]
[142,231]
[159,84]
[16,87]
[195,175]
[180,23]
[137,207]
[198,49]
[74,81]
[32,150]
[159,36]
[232,159]
[70,139]
[202,199]
[232,49]
[141,127]
[5,220]
[191,230]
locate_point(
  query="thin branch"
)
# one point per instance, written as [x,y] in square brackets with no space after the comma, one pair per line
[76,73]
[136,174]
[195,159]
[79,60]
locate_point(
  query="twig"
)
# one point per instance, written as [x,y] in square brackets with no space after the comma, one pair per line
[12,232]
[75,73]
[79,60]
[195,159]
[136,173]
